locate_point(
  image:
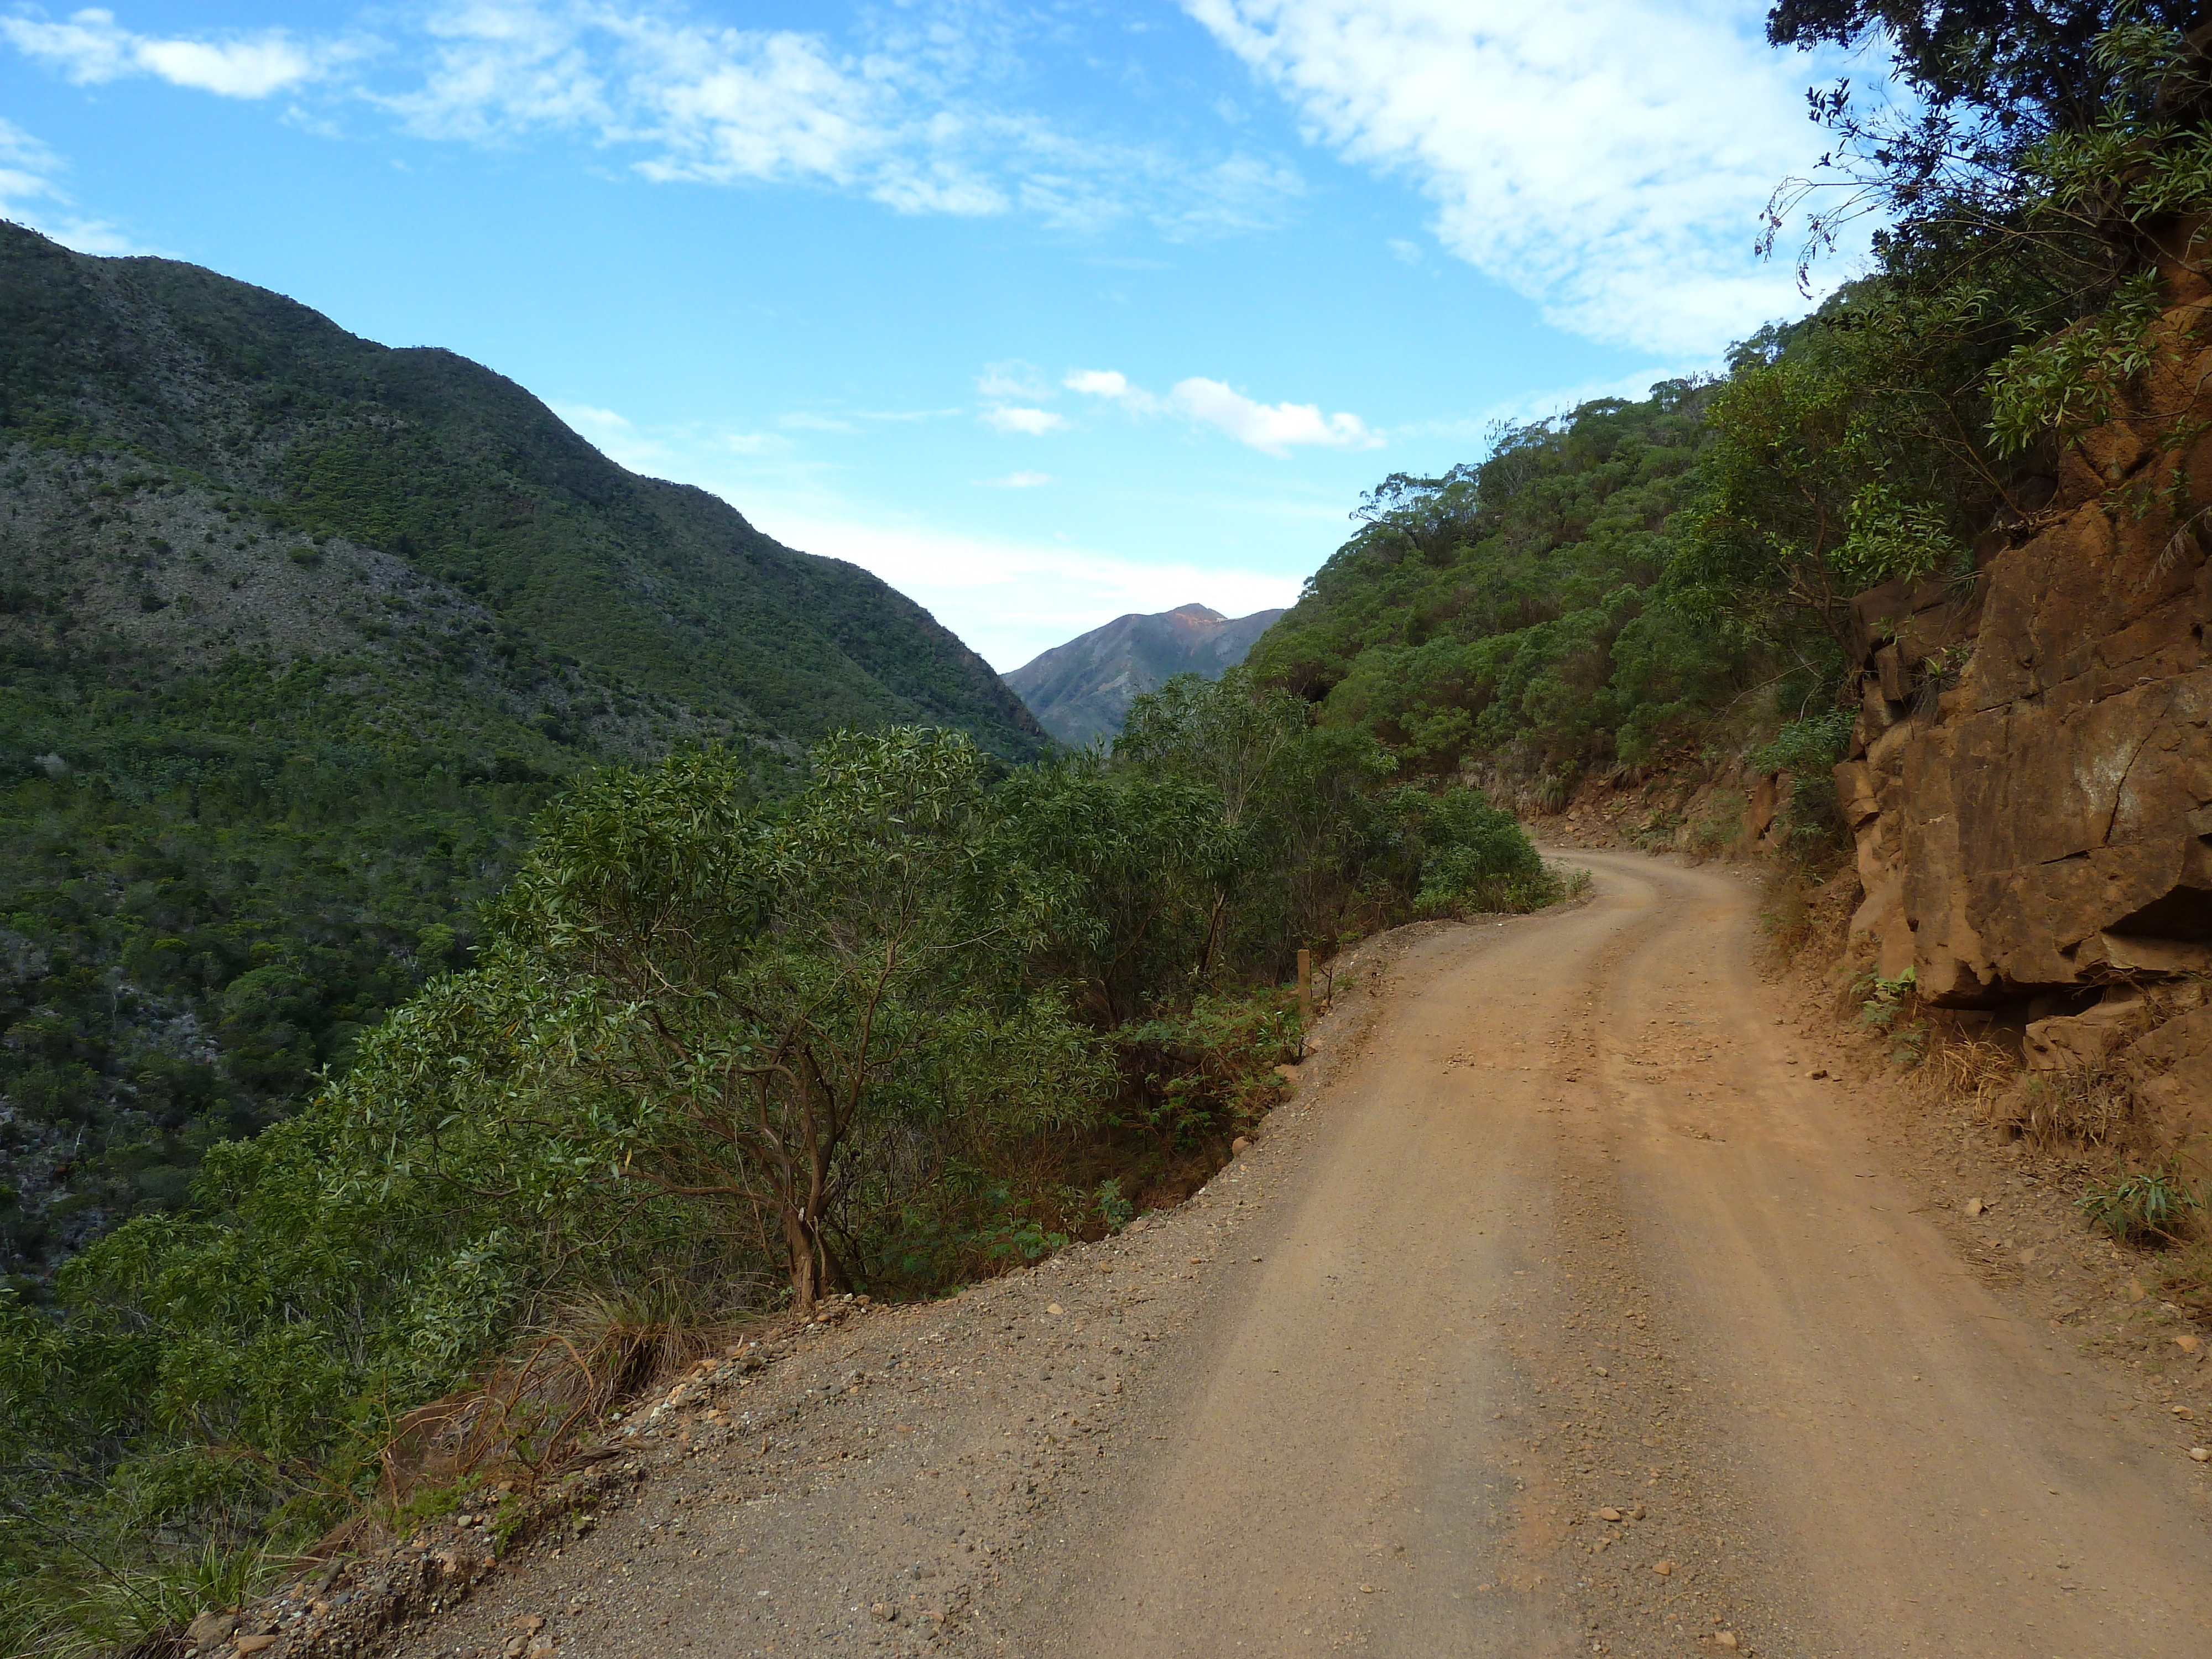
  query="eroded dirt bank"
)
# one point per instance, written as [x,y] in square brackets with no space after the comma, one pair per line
[1557,1228]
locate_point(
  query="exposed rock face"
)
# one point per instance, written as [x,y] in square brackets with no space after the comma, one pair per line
[1080,690]
[2031,778]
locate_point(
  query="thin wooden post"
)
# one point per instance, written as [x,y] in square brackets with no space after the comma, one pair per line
[1305,990]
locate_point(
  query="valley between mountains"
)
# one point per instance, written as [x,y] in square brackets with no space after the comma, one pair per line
[1582,1300]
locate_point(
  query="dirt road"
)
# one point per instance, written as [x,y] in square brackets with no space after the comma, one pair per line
[1559,1228]
[1578,1232]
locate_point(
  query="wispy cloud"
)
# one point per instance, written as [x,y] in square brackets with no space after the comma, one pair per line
[908,417]
[1274,428]
[587,419]
[1015,417]
[1020,481]
[1013,378]
[31,194]
[754,443]
[912,113]
[1607,158]
[1110,383]
[804,420]
[91,47]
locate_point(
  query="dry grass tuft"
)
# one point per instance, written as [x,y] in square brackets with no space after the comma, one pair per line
[2184,1275]
[1972,1071]
[524,1417]
[1806,908]
[2092,1107]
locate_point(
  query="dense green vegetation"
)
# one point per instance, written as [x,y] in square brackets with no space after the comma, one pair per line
[214,882]
[714,1051]
[1511,611]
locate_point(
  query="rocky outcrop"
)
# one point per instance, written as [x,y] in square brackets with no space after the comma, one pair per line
[2030,780]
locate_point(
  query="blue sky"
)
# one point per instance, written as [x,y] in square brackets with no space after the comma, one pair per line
[1043,312]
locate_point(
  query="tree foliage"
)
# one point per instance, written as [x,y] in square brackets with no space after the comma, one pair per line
[1508,613]
[756,1047]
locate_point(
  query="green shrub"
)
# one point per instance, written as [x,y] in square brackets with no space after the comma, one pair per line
[1207,1072]
[2149,1204]
[1473,857]
[1808,746]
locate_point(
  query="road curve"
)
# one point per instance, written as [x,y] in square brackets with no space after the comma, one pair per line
[1574,1232]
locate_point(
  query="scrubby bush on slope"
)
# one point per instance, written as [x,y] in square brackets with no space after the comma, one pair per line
[921,1018]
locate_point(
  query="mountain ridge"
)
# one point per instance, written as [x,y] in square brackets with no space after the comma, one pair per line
[298,632]
[470,479]
[1080,691]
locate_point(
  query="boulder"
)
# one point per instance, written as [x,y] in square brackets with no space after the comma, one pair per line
[2083,1041]
[210,1630]
[1758,809]
[2050,816]
[2170,1070]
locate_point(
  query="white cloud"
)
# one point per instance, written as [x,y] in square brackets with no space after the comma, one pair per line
[1013,378]
[725,105]
[806,421]
[910,112]
[657,449]
[1021,481]
[495,70]
[1273,427]
[1098,382]
[1012,417]
[1011,600]
[27,165]
[586,419]
[754,443]
[91,47]
[30,194]
[1112,384]
[1607,158]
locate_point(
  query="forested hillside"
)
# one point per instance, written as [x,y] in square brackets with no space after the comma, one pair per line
[296,632]
[714,1052]
[1634,585]
[304,431]
[1514,611]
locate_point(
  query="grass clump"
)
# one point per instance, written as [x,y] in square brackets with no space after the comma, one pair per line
[2156,1203]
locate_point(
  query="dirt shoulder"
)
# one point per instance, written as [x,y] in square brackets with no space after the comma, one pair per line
[2007,1208]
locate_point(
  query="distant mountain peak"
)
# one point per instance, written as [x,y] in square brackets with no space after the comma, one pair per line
[1080,690]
